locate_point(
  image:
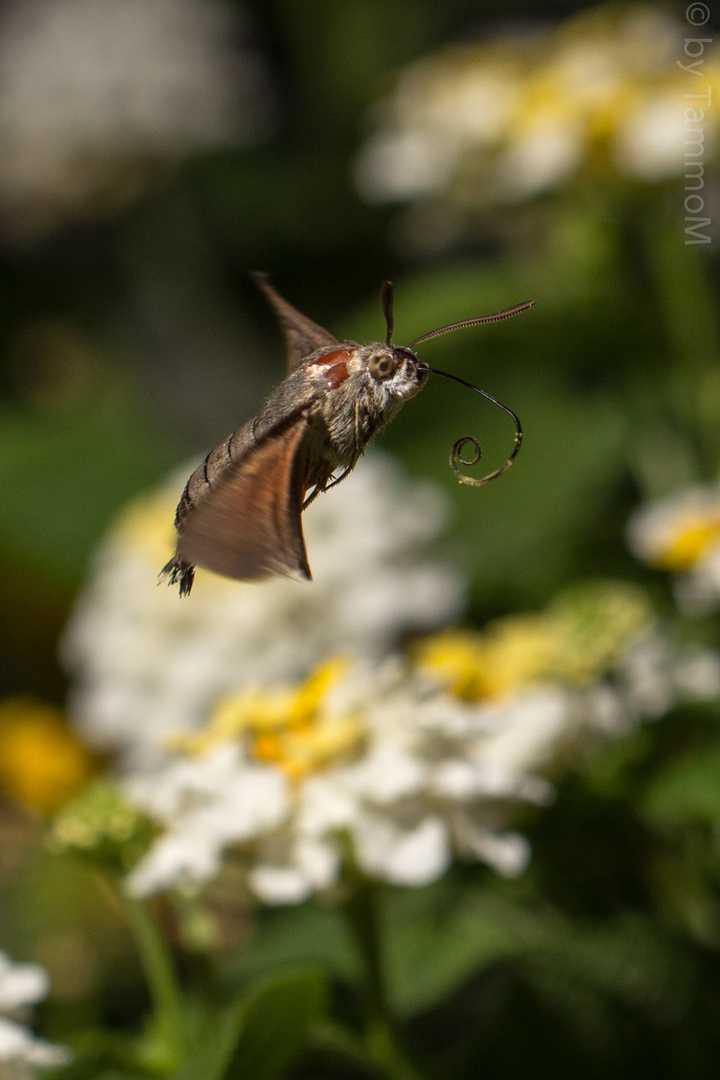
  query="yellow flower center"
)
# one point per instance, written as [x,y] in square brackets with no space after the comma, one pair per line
[688,543]
[297,729]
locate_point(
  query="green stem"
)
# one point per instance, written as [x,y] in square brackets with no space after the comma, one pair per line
[688,310]
[162,981]
[363,917]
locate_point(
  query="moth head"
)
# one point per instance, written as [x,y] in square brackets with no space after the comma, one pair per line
[388,361]
[395,369]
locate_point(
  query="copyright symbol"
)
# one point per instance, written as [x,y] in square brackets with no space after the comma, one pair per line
[697,13]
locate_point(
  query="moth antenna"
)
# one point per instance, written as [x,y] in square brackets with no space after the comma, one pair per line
[386,299]
[456,458]
[498,316]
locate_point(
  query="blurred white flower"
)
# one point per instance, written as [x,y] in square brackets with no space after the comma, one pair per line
[539,159]
[20,1051]
[94,93]
[681,533]
[648,142]
[401,165]
[525,112]
[145,663]
[21,984]
[658,673]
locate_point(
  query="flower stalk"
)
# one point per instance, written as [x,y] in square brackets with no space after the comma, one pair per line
[165,1025]
[364,920]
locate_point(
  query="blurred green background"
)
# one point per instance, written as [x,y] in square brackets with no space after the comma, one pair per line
[132,339]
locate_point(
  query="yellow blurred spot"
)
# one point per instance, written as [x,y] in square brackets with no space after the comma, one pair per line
[146,525]
[268,747]
[576,639]
[41,763]
[309,696]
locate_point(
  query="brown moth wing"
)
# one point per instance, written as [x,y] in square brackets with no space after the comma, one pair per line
[250,528]
[302,336]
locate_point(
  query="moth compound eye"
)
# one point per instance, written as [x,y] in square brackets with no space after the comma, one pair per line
[382,367]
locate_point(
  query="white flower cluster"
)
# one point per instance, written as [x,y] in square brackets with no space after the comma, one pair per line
[146,663]
[519,114]
[94,91]
[418,775]
[431,777]
[21,1052]
[681,533]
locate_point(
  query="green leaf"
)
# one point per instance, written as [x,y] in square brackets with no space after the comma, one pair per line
[64,476]
[435,941]
[687,790]
[262,1033]
[309,934]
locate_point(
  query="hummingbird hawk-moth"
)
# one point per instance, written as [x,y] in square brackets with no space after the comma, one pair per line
[239,514]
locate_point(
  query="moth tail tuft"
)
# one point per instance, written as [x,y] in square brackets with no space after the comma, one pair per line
[179,573]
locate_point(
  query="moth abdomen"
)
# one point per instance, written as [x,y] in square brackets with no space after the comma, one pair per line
[211,470]
[179,573]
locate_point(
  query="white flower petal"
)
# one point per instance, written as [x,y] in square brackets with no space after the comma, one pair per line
[210,803]
[697,592]
[414,856]
[528,728]
[280,884]
[508,853]
[697,675]
[319,861]
[21,984]
[388,773]
[184,858]
[19,1045]
[466,780]
[326,803]
[399,165]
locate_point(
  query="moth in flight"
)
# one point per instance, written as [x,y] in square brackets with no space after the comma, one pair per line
[240,512]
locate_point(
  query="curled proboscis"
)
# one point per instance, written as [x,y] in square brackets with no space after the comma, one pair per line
[456,454]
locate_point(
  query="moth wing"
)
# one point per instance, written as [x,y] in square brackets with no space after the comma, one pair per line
[302,335]
[248,525]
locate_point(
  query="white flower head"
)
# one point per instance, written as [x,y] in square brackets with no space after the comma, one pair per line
[529,110]
[374,757]
[681,533]
[146,662]
[96,91]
